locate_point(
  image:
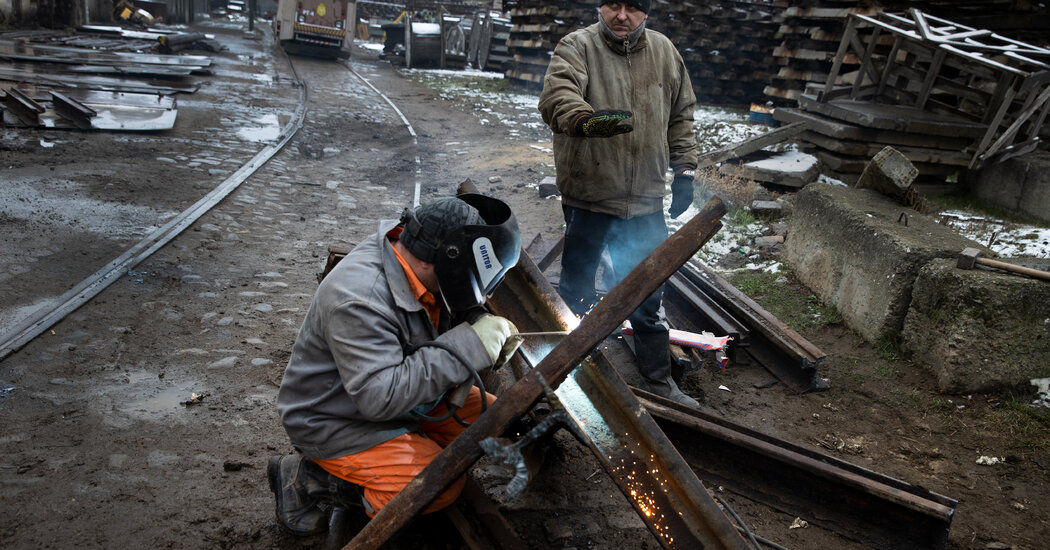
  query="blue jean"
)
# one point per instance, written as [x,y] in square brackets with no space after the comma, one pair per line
[629,241]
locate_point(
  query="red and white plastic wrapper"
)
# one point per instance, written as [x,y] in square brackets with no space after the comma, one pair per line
[704,341]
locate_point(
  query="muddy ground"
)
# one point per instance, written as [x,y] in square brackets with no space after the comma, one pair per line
[145,418]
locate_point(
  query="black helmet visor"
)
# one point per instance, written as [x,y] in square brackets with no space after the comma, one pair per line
[471,263]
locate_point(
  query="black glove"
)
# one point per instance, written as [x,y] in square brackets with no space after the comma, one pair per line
[603,124]
[681,194]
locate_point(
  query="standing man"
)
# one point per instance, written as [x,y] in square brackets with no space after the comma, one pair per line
[619,101]
[394,328]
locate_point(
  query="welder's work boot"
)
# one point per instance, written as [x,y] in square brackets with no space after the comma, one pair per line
[669,389]
[297,510]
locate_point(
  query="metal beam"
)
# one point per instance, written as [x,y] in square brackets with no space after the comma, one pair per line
[855,502]
[708,526]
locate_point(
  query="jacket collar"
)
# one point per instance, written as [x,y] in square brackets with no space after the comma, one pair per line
[635,39]
[401,290]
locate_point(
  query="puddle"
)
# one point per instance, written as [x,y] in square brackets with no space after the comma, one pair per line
[162,402]
[269,131]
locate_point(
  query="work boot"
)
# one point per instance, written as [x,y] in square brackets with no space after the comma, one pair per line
[668,389]
[296,495]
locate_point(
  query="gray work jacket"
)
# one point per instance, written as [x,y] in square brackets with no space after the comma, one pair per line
[623,175]
[351,381]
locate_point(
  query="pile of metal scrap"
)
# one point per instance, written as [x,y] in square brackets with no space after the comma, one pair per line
[88,110]
[947,96]
[58,86]
[454,42]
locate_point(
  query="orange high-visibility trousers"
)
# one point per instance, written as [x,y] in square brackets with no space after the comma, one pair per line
[386,468]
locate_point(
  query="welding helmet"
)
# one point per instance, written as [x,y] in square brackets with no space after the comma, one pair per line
[472,240]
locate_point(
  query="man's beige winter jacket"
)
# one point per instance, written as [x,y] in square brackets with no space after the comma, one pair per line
[623,175]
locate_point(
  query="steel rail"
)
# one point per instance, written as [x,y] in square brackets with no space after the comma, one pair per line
[776,346]
[852,501]
[849,500]
[855,502]
[46,317]
[629,446]
[699,519]
[411,131]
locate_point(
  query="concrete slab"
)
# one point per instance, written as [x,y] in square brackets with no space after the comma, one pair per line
[1020,184]
[978,330]
[860,251]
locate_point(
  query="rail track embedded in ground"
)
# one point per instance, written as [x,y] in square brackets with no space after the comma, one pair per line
[45,318]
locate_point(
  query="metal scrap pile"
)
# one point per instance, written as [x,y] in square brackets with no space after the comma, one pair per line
[92,82]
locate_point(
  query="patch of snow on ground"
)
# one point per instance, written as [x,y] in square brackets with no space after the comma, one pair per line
[1007,239]
[788,161]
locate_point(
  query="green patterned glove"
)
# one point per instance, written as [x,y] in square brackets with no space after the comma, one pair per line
[603,124]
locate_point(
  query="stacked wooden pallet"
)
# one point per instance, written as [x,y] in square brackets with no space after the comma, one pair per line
[743,51]
[811,31]
[536,27]
[725,44]
[807,39]
[949,97]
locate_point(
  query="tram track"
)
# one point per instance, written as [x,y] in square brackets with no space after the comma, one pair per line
[46,317]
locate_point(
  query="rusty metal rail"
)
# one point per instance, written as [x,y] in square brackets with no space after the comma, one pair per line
[774,345]
[698,299]
[855,502]
[690,517]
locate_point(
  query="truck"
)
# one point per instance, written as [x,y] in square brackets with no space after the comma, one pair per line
[316,28]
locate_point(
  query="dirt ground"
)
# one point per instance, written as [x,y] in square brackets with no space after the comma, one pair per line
[145,417]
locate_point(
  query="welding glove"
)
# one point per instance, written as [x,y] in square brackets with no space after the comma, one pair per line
[681,194]
[499,336]
[602,124]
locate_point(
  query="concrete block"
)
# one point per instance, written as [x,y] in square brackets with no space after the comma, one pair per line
[790,168]
[1020,184]
[860,251]
[768,210]
[889,173]
[978,330]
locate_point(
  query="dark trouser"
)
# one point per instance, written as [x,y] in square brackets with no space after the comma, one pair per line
[629,240]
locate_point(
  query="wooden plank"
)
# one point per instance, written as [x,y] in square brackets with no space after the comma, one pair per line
[870,149]
[838,129]
[931,77]
[836,66]
[894,117]
[1008,135]
[855,165]
[866,65]
[748,146]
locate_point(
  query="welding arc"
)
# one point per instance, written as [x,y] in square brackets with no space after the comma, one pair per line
[544,333]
